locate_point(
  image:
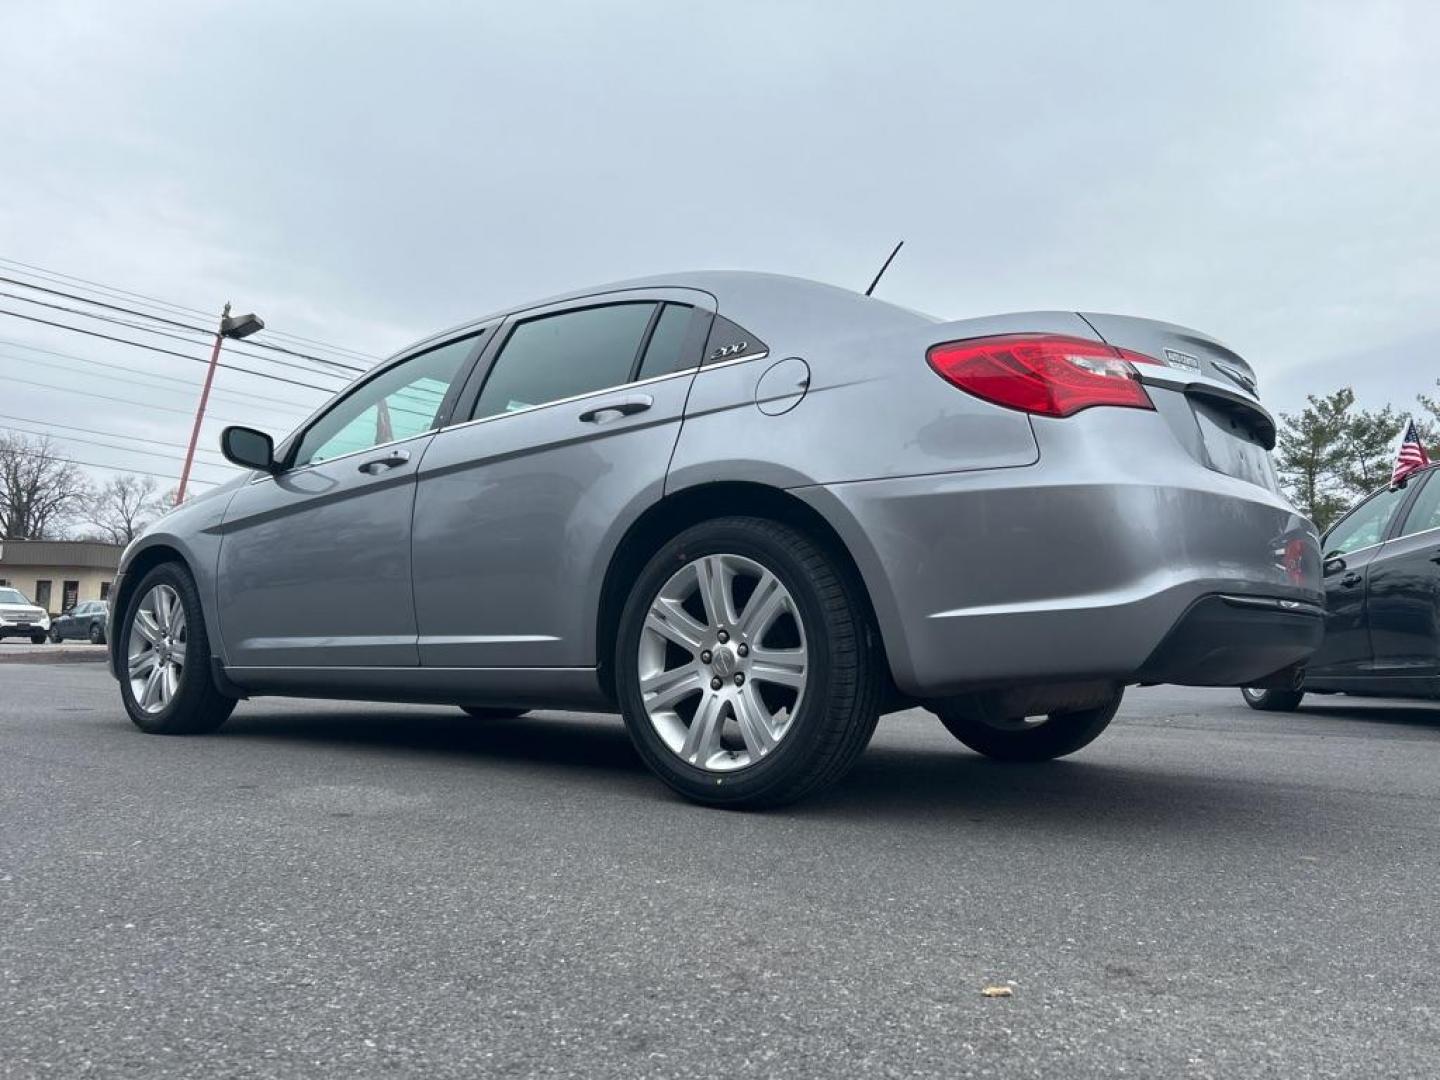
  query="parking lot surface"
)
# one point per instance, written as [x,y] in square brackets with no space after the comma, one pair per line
[25,652]
[345,890]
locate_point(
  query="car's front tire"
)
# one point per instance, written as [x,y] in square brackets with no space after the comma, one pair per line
[1272,700]
[55,637]
[37,639]
[746,666]
[1025,739]
[165,680]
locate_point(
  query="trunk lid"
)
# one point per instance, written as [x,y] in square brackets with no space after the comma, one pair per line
[1180,348]
[1207,393]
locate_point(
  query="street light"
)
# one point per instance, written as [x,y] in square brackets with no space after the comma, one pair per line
[231,326]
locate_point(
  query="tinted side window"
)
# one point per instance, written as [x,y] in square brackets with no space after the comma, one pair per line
[564,355]
[1366,524]
[399,404]
[667,351]
[1425,512]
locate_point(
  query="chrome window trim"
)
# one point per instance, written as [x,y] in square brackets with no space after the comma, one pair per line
[619,387]
[1382,543]
[699,370]
[761,355]
[1356,551]
[570,400]
[1409,536]
[293,470]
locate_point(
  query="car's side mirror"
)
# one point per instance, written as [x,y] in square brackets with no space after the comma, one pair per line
[248,448]
[1332,562]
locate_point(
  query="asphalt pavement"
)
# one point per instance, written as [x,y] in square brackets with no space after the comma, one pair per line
[341,890]
[26,652]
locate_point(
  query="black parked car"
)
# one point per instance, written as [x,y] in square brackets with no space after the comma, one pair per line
[1382,601]
[89,620]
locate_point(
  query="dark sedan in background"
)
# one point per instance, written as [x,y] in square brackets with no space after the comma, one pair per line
[1382,600]
[88,621]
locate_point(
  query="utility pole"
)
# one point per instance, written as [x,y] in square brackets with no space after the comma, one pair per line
[239,326]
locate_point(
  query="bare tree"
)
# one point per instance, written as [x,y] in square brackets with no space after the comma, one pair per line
[123,506]
[39,489]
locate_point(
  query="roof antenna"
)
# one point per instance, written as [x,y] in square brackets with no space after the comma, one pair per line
[878,276]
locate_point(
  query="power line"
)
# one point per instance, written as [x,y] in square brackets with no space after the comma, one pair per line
[154,318]
[228,395]
[170,305]
[170,352]
[123,401]
[114,434]
[133,377]
[62,368]
[165,334]
[108,468]
[103,445]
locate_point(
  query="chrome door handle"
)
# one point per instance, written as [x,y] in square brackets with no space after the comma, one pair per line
[614,410]
[389,461]
[1350,580]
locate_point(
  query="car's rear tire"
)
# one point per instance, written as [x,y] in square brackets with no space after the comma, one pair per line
[37,639]
[1019,739]
[165,679]
[746,666]
[96,635]
[1272,700]
[484,712]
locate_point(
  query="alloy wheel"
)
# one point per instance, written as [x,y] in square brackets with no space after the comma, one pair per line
[723,662]
[156,650]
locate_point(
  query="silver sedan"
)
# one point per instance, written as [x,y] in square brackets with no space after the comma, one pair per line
[751,514]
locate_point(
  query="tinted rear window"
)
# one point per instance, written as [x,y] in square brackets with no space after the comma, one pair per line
[666,352]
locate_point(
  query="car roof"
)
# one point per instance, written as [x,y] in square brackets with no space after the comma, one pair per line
[765,304]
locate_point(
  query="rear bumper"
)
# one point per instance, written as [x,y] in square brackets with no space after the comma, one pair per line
[1235,641]
[1086,565]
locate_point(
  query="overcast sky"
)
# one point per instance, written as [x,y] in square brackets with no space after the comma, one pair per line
[365,173]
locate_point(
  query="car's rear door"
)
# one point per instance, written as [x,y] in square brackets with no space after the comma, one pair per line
[314,566]
[1350,547]
[1404,589]
[573,413]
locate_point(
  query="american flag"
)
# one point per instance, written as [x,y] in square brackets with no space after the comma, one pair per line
[1412,455]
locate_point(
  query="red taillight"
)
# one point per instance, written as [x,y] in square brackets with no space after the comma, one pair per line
[1292,559]
[1043,373]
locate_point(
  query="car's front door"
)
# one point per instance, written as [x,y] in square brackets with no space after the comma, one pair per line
[1404,590]
[1350,547]
[315,561]
[576,411]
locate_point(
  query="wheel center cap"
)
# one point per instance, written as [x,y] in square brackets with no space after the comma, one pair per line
[723,661]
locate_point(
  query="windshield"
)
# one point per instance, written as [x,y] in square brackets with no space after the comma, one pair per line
[12,596]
